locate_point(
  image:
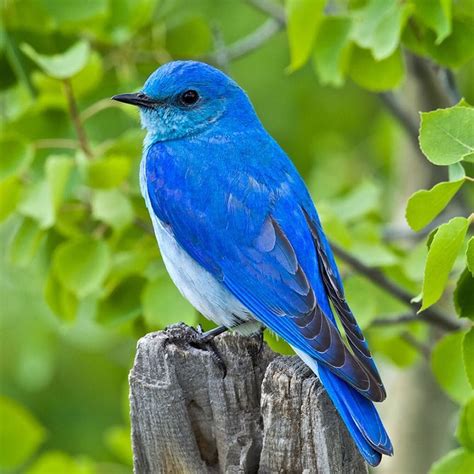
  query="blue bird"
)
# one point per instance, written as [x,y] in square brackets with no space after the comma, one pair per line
[241,238]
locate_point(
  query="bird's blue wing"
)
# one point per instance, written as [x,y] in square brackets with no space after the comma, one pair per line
[256,230]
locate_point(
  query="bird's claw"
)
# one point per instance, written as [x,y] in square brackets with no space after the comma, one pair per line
[199,340]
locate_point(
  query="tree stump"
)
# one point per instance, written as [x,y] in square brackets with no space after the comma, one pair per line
[269,414]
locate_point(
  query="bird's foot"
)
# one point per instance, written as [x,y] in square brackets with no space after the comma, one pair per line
[181,334]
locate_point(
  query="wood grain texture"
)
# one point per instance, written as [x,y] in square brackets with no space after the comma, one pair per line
[269,414]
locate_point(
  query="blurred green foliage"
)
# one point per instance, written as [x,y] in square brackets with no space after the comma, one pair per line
[80,274]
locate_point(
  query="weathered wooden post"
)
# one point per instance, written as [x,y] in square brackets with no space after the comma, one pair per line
[268,415]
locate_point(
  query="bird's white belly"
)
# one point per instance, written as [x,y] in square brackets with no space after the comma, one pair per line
[195,283]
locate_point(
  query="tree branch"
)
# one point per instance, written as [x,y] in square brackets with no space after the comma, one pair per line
[97,107]
[431,315]
[422,348]
[402,319]
[270,8]
[220,55]
[403,116]
[76,120]
[248,44]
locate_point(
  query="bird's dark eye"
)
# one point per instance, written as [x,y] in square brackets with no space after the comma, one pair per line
[189,97]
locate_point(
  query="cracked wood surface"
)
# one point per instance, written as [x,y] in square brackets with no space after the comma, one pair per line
[269,414]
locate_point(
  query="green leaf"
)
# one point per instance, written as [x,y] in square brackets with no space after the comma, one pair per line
[374,254]
[458,461]
[62,302]
[58,462]
[359,294]
[16,157]
[14,102]
[60,66]
[464,296]
[456,50]
[303,19]
[456,172]
[334,227]
[378,26]
[42,199]
[128,16]
[468,355]
[447,135]
[25,242]
[58,171]
[331,50]
[414,262]
[123,304]
[72,222]
[163,304]
[435,14]
[20,434]
[448,367]
[423,206]
[113,208]
[470,255]
[133,262]
[10,193]
[108,172]
[376,76]
[74,12]
[465,429]
[360,201]
[446,244]
[89,77]
[81,265]
[37,204]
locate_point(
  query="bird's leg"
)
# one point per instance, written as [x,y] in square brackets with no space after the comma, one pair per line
[212,333]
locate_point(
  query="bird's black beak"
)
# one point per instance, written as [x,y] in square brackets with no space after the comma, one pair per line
[138,98]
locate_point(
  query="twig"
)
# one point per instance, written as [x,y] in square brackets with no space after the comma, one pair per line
[406,120]
[431,90]
[220,55]
[422,348]
[402,319]
[249,43]
[270,8]
[97,107]
[431,315]
[449,82]
[76,120]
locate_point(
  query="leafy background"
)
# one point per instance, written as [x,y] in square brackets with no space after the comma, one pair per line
[339,83]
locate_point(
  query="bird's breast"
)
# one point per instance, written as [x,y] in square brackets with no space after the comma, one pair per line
[194,282]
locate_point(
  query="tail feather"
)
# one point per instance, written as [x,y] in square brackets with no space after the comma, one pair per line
[357,412]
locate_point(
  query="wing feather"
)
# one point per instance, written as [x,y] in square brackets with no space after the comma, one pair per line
[254,238]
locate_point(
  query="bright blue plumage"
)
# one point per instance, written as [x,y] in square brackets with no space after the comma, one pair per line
[223,190]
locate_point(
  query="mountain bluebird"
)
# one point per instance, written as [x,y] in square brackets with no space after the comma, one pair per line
[241,238]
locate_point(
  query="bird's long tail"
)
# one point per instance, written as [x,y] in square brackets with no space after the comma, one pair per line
[358,413]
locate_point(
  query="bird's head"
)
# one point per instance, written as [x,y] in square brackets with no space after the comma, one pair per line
[184,98]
